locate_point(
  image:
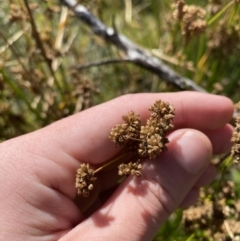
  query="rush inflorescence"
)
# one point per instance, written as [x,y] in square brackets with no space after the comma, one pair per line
[145,141]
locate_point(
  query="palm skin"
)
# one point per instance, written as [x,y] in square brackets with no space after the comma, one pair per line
[37,172]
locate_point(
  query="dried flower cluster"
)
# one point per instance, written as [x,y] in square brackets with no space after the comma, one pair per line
[126,133]
[224,37]
[217,213]
[147,141]
[130,169]
[191,17]
[84,179]
[235,152]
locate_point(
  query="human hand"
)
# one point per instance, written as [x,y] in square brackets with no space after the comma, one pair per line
[37,172]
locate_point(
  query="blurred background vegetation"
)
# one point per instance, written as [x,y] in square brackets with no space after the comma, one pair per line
[42,43]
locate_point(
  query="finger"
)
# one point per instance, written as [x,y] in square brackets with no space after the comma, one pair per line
[220,139]
[190,199]
[206,178]
[85,135]
[140,205]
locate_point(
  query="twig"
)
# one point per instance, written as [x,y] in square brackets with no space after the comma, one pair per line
[102,62]
[134,53]
[37,37]
[40,45]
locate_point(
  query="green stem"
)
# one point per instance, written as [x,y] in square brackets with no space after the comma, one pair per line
[216,16]
[227,162]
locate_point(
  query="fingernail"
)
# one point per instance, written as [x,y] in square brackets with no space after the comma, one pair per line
[193,151]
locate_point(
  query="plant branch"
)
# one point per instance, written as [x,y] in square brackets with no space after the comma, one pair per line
[40,45]
[110,162]
[134,53]
[102,62]
[37,37]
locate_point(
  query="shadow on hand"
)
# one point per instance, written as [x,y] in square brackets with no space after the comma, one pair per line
[101,218]
[153,189]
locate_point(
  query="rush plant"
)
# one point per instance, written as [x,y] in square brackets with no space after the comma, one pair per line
[145,141]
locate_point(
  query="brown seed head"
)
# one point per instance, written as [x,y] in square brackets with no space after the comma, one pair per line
[148,140]
[160,109]
[235,152]
[153,146]
[118,134]
[191,18]
[130,169]
[132,120]
[122,133]
[84,179]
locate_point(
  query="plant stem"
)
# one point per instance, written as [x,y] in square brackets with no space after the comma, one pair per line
[217,16]
[109,163]
[134,139]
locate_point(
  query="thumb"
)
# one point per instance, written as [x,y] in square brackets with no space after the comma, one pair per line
[141,205]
